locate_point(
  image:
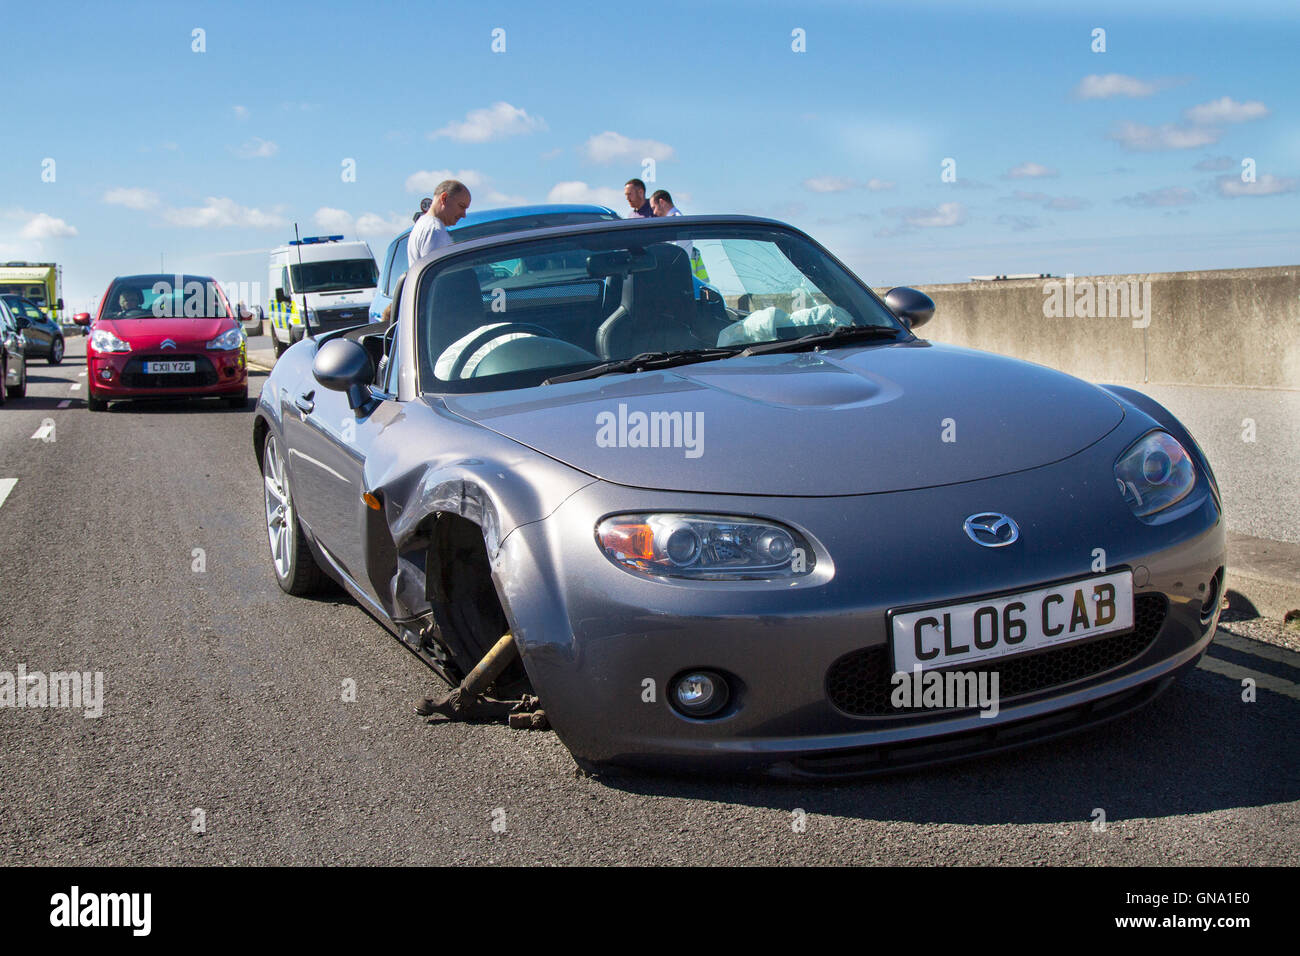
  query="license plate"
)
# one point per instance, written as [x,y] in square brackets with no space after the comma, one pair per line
[168,368]
[946,635]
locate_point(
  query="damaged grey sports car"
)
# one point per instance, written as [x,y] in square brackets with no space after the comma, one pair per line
[691,490]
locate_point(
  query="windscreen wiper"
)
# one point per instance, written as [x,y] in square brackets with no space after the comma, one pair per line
[838,335]
[646,361]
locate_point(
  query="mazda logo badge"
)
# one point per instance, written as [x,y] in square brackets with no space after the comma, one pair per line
[991,529]
[168,344]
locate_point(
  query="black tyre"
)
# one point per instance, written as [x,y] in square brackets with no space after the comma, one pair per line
[237,401]
[56,351]
[296,570]
[276,346]
[95,404]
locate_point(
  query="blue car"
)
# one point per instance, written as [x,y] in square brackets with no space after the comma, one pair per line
[476,225]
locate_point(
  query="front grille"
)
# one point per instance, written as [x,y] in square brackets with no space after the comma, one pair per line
[203,374]
[859,682]
[327,320]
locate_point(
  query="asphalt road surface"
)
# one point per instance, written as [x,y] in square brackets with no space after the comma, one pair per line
[132,544]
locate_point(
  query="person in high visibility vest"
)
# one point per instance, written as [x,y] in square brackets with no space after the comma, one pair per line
[661,202]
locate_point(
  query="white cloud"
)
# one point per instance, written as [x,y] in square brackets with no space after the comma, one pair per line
[491,122]
[1160,198]
[505,199]
[241,112]
[1226,110]
[333,220]
[373,224]
[1216,164]
[839,184]
[257,148]
[44,226]
[1051,202]
[425,180]
[611,147]
[1018,223]
[220,212]
[1098,86]
[1231,187]
[829,184]
[1030,170]
[928,217]
[576,191]
[1139,137]
[131,197]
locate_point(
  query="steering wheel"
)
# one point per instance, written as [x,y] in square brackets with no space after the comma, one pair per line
[486,336]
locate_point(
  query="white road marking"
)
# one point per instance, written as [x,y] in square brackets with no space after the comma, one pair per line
[65,403]
[1262,681]
[82,373]
[76,387]
[6,486]
[46,429]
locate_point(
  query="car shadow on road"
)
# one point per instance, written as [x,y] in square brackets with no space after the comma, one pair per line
[156,406]
[1197,748]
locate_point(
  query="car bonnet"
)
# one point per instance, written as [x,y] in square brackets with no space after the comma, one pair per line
[848,421]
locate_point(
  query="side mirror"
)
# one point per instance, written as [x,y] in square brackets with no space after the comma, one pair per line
[251,320]
[913,307]
[342,365]
[22,322]
[280,296]
[59,303]
[81,318]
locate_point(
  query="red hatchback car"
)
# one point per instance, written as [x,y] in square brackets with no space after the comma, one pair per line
[166,336]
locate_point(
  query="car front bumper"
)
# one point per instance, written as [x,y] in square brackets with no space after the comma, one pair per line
[117,375]
[603,645]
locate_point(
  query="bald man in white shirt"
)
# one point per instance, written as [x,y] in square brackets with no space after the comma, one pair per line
[450,202]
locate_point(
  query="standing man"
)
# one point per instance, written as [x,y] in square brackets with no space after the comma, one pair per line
[662,204]
[450,201]
[634,193]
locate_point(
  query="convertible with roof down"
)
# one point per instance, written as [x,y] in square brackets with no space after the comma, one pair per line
[721,527]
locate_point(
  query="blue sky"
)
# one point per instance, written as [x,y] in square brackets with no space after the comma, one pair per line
[1066,159]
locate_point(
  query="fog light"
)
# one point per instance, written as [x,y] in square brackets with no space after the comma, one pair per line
[106,373]
[700,693]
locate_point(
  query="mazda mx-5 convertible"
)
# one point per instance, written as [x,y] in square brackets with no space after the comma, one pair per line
[761,528]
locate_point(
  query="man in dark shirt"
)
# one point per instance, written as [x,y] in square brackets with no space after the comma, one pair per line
[634,193]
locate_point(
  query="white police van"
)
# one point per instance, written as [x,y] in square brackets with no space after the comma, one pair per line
[332,279]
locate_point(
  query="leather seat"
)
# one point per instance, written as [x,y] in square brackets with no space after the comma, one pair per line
[657,310]
[456,309]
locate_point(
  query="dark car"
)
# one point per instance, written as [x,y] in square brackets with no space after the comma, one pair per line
[44,336]
[13,355]
[478,225]
[752,533]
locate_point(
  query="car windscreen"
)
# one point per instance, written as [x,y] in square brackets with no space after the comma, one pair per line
[518,313]
[334,275]
[165,297]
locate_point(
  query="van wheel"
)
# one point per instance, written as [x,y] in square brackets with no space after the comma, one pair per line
[276,345]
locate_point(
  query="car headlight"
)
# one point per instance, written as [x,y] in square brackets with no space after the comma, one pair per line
[1155,473]
[704,546]
[228,340]
[102,340]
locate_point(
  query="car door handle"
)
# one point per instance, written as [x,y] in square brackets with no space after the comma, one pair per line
[304,401]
